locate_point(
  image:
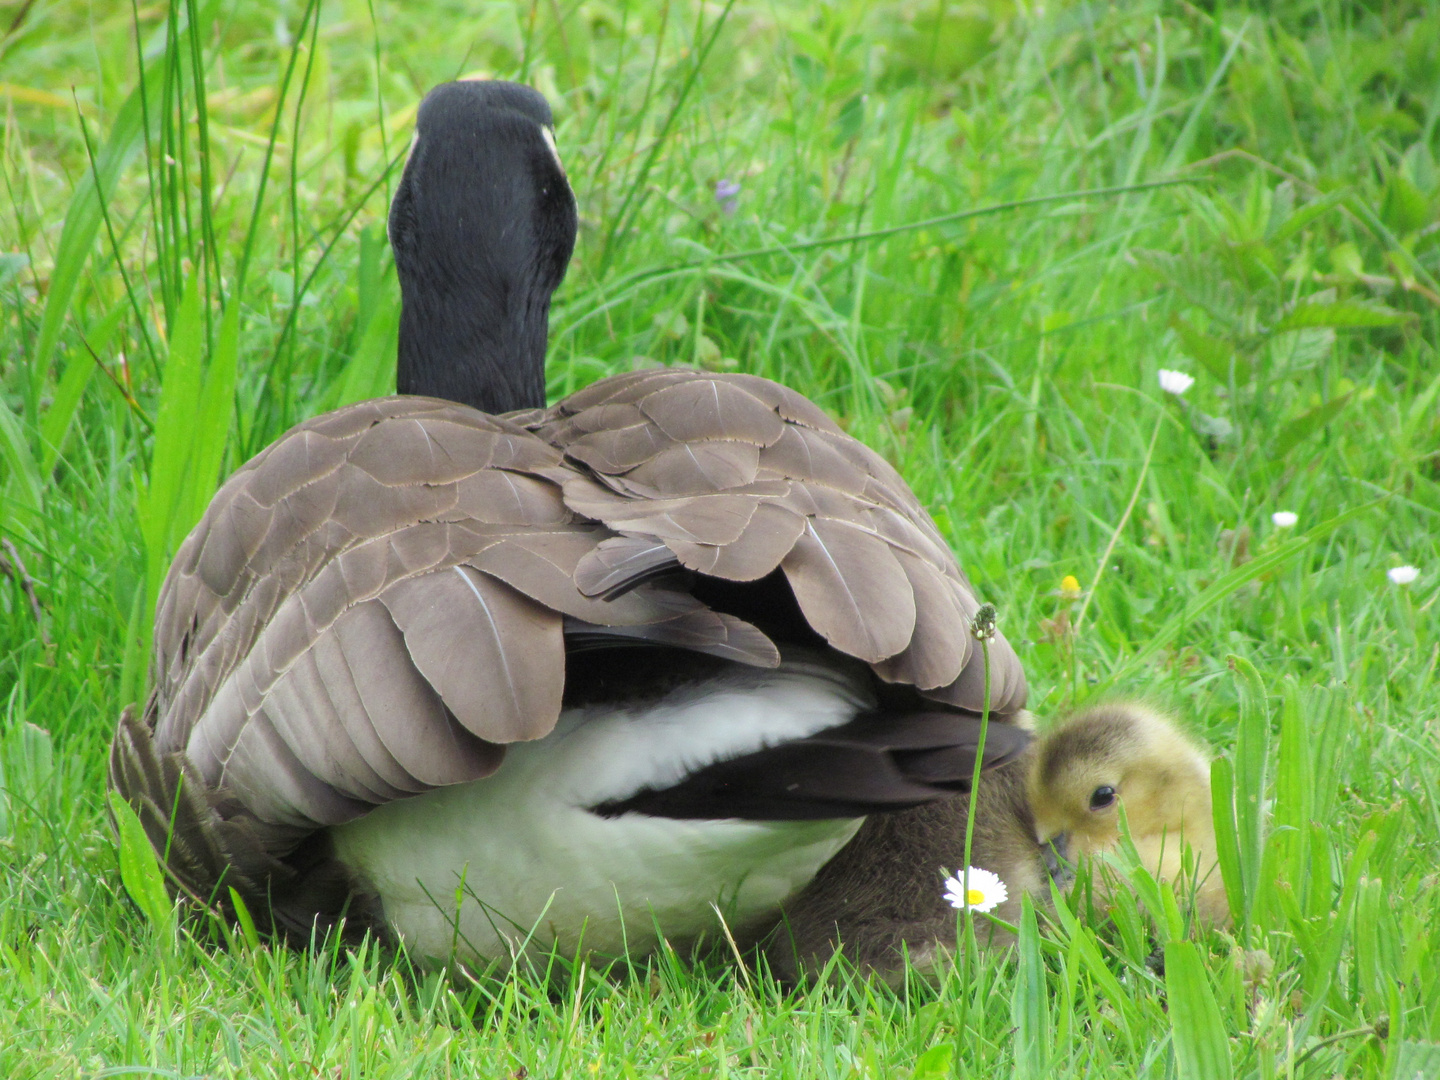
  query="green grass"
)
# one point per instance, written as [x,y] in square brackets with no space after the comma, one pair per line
[166,313]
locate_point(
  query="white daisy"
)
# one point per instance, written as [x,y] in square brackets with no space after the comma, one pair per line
[1402,575]
[1285,519]
[985,891]
[1175,382]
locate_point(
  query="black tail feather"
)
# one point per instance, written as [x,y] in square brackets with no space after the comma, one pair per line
[875,763]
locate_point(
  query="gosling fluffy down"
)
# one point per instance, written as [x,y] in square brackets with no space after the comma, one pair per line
[1126,753]
[880,901]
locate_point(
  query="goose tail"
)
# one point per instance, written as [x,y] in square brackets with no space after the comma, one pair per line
[209,859]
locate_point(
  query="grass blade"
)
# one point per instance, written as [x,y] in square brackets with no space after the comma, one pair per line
[212,427]
[1252,755]
[160,507]
[1030,1007]
[21,501]
[82,225]
[140,869]
[370,371]
[1227,835]
[1202,1052]
[1294,795]
[55,426]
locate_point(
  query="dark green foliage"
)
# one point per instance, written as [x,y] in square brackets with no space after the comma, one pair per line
[177,244]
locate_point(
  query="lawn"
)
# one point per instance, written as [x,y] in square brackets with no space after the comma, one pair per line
[974,232]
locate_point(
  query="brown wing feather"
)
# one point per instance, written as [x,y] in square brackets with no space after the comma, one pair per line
[700,410]
[545,566]
[713,633]
[317,639]
[621,563]
[207,854]
[617,449]
[769,537]
[869,569]
[696,468]
[852,589]
[942,643]
[458,622]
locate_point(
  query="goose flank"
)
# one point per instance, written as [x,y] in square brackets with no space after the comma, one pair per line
[472,672]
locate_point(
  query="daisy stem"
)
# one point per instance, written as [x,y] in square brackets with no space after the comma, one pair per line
[979,761]
[970,945]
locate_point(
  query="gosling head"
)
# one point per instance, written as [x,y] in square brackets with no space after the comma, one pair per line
[1083,770]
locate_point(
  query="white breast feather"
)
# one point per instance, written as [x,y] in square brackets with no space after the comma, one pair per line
[532,864]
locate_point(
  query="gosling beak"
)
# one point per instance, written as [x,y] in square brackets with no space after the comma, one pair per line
[1057,860]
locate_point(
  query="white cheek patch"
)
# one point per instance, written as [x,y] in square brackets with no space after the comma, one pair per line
[548,134]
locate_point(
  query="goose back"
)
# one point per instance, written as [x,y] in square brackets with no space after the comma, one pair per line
[736,477]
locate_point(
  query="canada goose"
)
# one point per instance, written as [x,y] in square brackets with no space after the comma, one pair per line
[558,677]
[1126,754]
[880,899]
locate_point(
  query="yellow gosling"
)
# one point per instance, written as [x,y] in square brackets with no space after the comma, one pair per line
[1125,753]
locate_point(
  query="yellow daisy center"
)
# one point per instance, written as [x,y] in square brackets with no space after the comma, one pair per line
[974,896]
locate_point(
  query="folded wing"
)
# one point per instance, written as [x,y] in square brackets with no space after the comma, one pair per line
[738,478]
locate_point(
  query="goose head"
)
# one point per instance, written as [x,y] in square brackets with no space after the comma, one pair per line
[482,225]
[1119,754]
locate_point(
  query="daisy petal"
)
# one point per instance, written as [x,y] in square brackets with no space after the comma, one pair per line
[1402,575]
[1175,382]
[976,889]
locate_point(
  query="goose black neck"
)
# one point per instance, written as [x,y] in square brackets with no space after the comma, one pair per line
[482,348]
[482,225]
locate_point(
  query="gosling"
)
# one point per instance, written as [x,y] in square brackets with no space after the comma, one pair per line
[1125,753]
[880,902]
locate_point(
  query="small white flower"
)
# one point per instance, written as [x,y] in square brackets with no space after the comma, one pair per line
[1284,519]
[1175,382]
[1402,575]
[986,890]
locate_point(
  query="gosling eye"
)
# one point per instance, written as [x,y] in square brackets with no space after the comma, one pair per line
[1102,797]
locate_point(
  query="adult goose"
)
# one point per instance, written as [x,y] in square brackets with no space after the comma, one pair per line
[486,676]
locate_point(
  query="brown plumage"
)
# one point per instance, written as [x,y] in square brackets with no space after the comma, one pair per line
[390,595]
[880,902]
[318,638]
[741,477]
